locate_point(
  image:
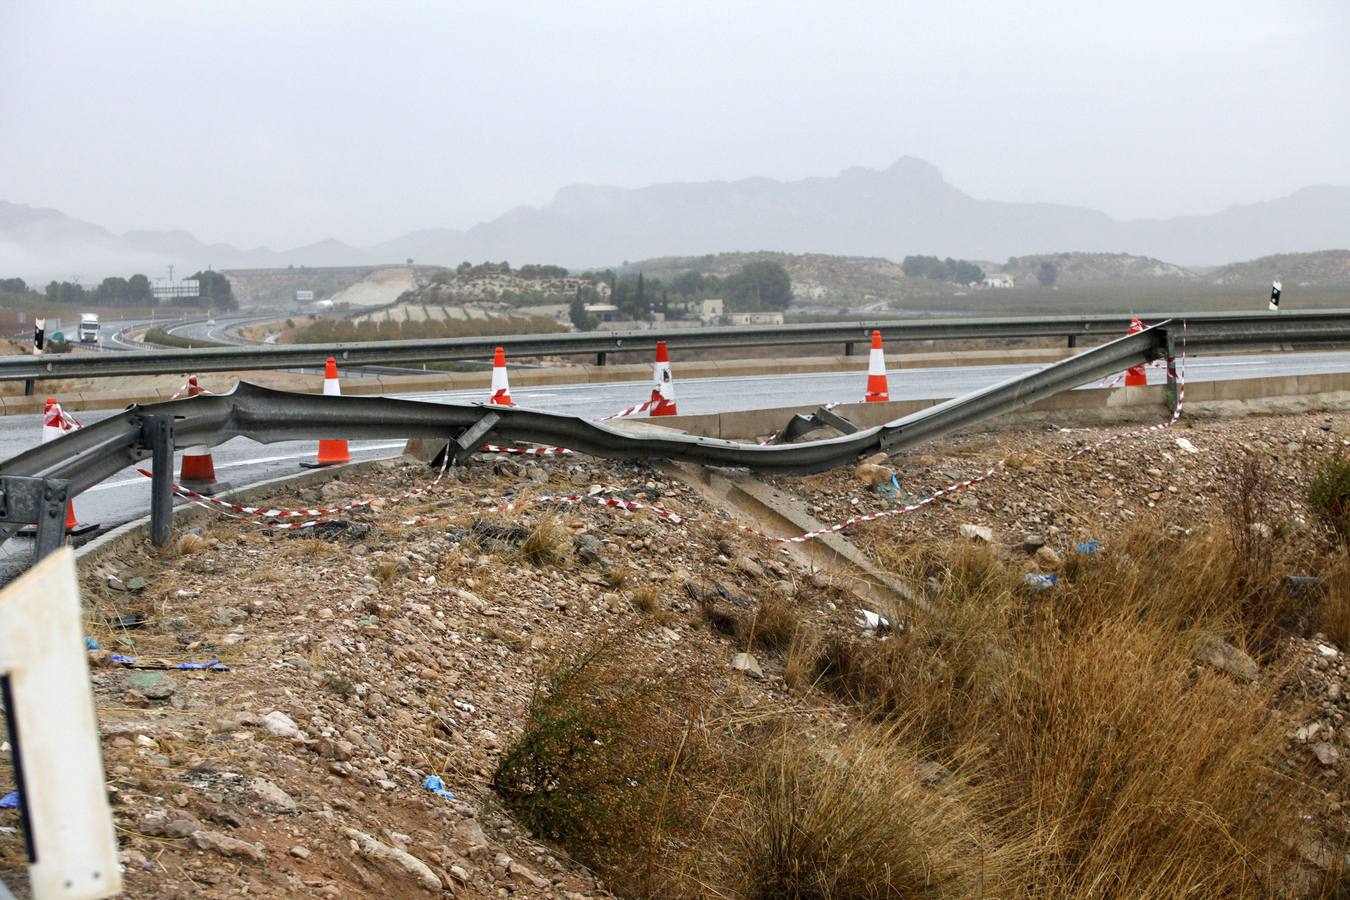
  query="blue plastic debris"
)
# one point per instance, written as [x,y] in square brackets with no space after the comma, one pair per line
[1089,548]
[214,665]
[90,643]
[437,787]
[10,800]
[1038,582]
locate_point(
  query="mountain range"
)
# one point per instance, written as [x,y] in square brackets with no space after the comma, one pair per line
[907,208]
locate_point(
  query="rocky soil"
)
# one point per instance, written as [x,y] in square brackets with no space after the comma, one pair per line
[405,641]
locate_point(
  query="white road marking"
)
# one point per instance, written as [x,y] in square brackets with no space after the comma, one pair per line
[234,464]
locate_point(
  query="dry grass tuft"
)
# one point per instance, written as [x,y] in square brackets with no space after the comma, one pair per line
[550,543]
[190,543]
[386,572]
[773,627]
[856,820]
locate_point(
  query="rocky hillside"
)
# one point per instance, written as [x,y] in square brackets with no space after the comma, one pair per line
[1105,675]
[1085,268]
[1325,267]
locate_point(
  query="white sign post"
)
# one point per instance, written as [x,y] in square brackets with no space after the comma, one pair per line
[54,734]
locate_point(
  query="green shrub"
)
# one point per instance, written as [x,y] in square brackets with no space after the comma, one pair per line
[601,764]
[1329,494]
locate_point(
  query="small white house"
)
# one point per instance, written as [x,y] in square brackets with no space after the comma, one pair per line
[998,280]
[755,318]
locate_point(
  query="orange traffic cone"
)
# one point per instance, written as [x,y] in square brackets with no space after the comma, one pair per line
[198,469]
[54,425]
[1135,375]
[331,452]
[663,386]
[877,391]
[501,388]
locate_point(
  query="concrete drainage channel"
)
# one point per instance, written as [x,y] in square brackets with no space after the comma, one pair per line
[768,508]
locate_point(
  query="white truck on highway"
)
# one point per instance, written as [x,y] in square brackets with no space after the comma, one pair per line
[89,328]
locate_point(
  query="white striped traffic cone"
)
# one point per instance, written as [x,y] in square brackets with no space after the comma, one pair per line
[1135,376]
[54,424]
[877,391]
[663,386]
[501,388]
[198,469]
[332,452]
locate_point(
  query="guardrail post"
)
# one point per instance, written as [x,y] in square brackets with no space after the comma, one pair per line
[157,434]
[51,523]
[848,348]
[28,387]
[1073,341]
[600,358]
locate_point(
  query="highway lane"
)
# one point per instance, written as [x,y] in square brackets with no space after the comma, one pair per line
[126,496]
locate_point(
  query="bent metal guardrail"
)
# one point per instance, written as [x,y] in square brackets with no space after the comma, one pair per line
[239,359]
[41,479]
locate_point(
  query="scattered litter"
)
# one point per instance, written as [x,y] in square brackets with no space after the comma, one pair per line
[132,662]
[183,592]
[90,643]
[10,800]
[1089,548]
[434,784]
[130,620]
[870,621]
[464,706]
[1038,582]
[1186,445]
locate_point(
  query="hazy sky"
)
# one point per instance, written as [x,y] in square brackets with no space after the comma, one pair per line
[284,122]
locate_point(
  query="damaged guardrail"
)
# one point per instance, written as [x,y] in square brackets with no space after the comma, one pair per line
[80,459]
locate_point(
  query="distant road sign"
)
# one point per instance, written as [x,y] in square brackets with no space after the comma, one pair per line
[304,296]
[188,287]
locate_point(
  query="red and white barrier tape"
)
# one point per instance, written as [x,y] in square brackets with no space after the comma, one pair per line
[528,451]
[631,411]
[237,511]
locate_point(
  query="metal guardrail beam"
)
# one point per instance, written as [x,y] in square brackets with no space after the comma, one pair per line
[222,359]
[85,457]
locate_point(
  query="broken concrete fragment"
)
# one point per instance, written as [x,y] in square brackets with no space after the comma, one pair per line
[227,846]
[394,861]
[1218,653]
[977,532]
[744,662]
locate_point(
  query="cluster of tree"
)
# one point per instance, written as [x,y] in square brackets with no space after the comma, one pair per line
[216,292]
[532,270]
[755,287]
[1047,273]
[957,271]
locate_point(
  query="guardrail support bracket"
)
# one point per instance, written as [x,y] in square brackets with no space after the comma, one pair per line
[472,437]
[36,501]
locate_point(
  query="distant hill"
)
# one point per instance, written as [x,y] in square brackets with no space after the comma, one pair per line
[41,244]
[1092,268]
[905,209]
[1330,267]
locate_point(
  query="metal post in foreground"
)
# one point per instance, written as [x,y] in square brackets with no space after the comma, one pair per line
[157,434]
[51,524]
